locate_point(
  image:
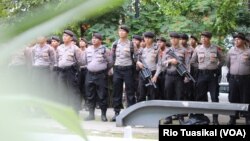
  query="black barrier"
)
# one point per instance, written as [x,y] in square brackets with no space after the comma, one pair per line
[222,132]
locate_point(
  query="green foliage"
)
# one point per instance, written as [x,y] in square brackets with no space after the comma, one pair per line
[18,111]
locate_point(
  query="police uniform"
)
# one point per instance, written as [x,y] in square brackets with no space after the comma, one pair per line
[209,59]
[98,60]
[149,56]
[137,50]
[82,71]
[173,89]
[238,62]
[161,79]
[188,85]
[174,82]
[43,57]
[68,56]
[123,72]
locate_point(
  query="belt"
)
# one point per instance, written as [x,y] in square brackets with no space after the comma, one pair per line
[208,71]
[98,72]
[123,67]
[239,76]
[174,73]
[66,68]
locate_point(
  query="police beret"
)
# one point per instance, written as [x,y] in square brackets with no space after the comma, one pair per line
[149,34]
[162,39]
[74,38]
[98,36]
[193,37]
[174,35]
[184,36]
[55,38]
[206,34]
[137,37]
[83,39]
[124,27]
[68,32]
[240,35]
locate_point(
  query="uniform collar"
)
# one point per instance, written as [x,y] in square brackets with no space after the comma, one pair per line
[127,41]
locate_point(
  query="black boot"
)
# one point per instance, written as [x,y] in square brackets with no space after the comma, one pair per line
[114,117]
[215,119]
[103,116]
[91,115]
[232,120]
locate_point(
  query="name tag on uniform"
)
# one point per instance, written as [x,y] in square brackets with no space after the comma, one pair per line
[126,49]
[45,54]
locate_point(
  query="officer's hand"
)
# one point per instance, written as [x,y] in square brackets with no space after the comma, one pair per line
[140,65]
[186,80]
[110,72]
[174,61]
[154,79]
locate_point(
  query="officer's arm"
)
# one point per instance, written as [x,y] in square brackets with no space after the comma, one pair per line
[139,57]
[78,55]
[194,59]
[228,59]
[221,58]
[33,56]
[52,56]
[109,58]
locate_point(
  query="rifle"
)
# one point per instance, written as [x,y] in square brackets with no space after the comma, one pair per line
[181,69]
[147,75]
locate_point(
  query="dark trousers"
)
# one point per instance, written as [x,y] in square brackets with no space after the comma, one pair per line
[81,82]
[123,75]
[207,82]
[173,87]
[239,90]
[160,86]
[146,91]
[68,87]
[42,76]
[136,79]
[96,89]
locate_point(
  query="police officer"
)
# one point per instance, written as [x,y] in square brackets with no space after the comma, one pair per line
[147,58]
[68,56]
[136,39]
[43,57]
[173,89]
[42,54]
[83,44]
[188,85]
[193,41]
[122,53]
[238,62]
[55,42]
[209,58]
[98,60]
[162,44]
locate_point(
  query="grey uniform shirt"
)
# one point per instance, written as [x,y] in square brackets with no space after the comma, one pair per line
[123,54]
[238,61]
[208,58]
[43,56]
[67,55]
[189,52]
[150,56]
[97,59]
[163,65]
